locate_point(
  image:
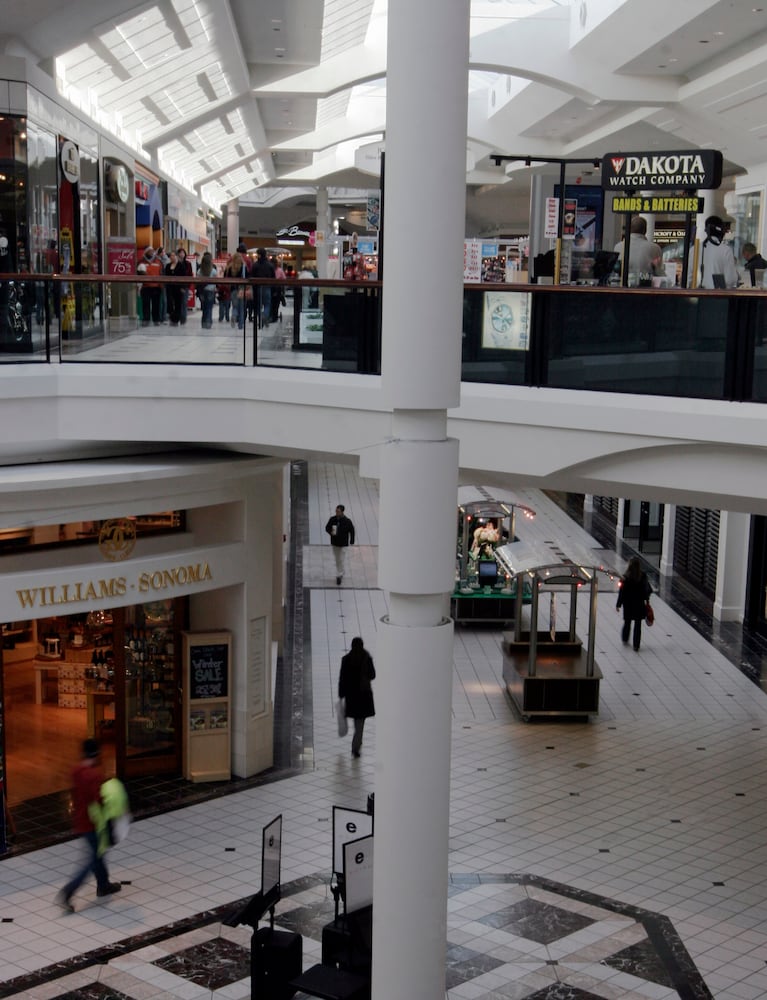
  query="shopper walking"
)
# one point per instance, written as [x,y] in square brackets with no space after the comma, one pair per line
[262,268]
[150,290]
[184,268]
[357,671]
[237,268]
[87,779]
[341,531]
[633,596]
[174,269]
[207,290]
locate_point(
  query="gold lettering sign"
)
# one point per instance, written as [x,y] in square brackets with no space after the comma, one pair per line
[85,591]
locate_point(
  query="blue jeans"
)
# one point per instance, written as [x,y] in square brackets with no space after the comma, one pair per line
[91,863]
[207,298]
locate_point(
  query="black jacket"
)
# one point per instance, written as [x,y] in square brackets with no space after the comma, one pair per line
[633,596]
[344,533]
[757,263]
[357,671]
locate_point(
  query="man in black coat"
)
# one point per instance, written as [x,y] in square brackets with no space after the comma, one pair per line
[341,531]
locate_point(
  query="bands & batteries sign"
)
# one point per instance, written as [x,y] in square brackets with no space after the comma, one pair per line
[698,168]
[658,203]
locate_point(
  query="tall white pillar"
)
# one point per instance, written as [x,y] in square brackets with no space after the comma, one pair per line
[427,76]
[731,566]
[232,225]
[668,540]
[620,519]
[323,226]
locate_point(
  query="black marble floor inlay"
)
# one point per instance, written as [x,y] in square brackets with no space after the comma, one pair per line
[463,964]
[94,991]
[561,991]
[659,959]
[211,964]
[536,921]
[641,959]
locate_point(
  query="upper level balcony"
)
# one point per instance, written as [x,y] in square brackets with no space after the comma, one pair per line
[604,390]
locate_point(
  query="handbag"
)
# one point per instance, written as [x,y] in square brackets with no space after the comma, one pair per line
[343,724]
[649,614]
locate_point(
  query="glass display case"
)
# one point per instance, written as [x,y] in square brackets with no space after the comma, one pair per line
[485,588]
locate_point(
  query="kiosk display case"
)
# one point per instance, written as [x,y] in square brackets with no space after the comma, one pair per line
[485,586]
[550,672]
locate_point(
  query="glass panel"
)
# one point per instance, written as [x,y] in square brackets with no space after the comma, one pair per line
[151,695]
[496,336]
[747,211]
[663,345]
[759,393]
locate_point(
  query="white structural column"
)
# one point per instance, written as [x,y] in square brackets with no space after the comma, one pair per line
[731,566]
[669,538]
[232,225]
[323,225]
[426,132]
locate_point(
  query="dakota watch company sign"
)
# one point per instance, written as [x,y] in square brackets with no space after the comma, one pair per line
[697,168]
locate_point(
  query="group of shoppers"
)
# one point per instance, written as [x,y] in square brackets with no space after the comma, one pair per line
[236,303]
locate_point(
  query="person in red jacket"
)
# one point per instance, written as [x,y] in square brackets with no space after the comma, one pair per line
[87,779]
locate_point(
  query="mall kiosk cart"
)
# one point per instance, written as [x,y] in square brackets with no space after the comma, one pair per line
[485,589]
[550,672]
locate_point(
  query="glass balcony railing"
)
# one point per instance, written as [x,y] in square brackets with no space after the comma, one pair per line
[670,342]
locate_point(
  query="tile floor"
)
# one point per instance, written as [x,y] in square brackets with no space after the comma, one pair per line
[621,858]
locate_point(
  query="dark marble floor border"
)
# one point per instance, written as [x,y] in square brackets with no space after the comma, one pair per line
[677,961]
[101,956]
[661,933]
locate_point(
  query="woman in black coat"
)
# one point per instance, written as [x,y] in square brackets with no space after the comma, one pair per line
[357,671]
[634,593]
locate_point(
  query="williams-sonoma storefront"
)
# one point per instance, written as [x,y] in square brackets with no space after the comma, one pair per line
[141,602]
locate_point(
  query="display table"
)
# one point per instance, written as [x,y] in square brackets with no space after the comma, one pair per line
[43,671]
[95,704]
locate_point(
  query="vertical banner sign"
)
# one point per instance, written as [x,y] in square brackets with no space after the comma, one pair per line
[257,663]
[374,211]
[358,873]
[550,226]
[472,261]
[568,223]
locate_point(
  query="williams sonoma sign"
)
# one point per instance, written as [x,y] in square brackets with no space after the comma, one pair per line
[698,168]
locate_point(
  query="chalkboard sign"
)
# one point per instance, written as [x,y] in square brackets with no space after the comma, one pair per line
[208,670]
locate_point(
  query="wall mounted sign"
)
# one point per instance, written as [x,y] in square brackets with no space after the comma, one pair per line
[117,182]
[669,204]
[70,161]
[689,168]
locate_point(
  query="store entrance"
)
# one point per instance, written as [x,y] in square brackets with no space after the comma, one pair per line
[113,675]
